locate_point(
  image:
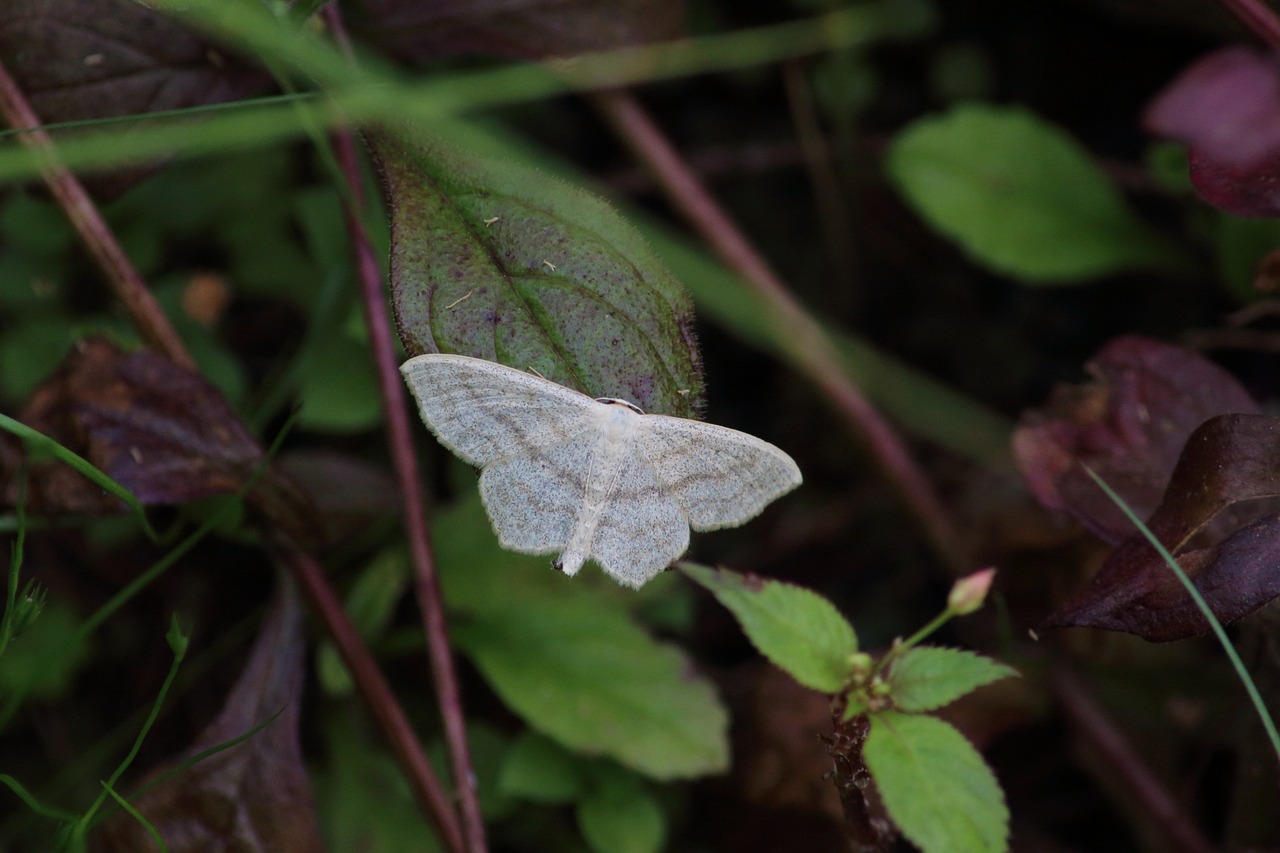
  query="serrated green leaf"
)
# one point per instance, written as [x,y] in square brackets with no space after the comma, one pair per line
[620,815]
[1021,196]
[935,785]
[497,261]
[928,677]
[568,658]
[797,629]
[539,769]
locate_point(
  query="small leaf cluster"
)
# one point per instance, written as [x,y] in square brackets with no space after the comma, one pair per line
[932,781]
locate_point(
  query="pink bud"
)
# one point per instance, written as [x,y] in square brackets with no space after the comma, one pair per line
[969,592]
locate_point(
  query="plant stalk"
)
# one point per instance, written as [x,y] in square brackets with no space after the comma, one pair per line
[795,329]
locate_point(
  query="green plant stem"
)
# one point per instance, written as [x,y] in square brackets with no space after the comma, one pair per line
[125,805]
[376,92]
[139,583]
[1268,724]
[82,466]
[86,820]
[934,624]
[32,803]
[7,623]
[55,127]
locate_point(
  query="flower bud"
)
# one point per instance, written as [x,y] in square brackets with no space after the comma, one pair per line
[969,592]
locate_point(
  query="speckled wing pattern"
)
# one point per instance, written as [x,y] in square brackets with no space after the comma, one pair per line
[562,473]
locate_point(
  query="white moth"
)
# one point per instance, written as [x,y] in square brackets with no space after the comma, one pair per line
[566,474]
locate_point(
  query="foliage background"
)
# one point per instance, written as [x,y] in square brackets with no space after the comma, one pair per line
[247,252]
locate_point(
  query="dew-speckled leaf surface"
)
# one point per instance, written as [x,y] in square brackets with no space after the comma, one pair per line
[500,262]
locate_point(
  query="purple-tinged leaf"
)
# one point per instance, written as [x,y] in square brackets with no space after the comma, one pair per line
[1226,109]
[348,492]
[80,59]
[161,431]
[92,59]
[1129,425]
[255,795]
[1252,191]
[1230,460]
[497,261]
[532,29]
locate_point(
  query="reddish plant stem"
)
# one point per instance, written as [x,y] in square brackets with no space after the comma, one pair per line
[1258,17]
[130,289]
[400,436]
[428,791]
[1126,766]
[798,332]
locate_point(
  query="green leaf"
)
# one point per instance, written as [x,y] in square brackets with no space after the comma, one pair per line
[339,390]
[539,769]
[928,677]
[34,225]
[37,662]
[598,684]
[1021,196]
[798,630]
[620,815]
[362,796]
[370,604]
[567,657]
[30,349]
[498,261]
[488,748]
[935,785]
[1240,244]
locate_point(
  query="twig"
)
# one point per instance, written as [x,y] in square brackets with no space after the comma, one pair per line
[70,194]
[428,791]
[400,437]
[1257,17]
[1125,765]
[798,332]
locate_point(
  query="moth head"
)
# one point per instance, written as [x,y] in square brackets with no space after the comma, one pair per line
[614,401]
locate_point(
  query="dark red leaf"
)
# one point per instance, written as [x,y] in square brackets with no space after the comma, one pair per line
[254,796]
[1230,460]
[161,431]
[1129,425]
[535,29]
[347,492]
[1226,108]
[79,59]
[1252,191]
[86,59]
